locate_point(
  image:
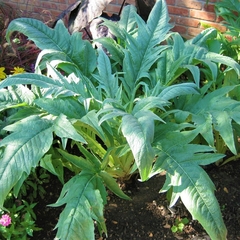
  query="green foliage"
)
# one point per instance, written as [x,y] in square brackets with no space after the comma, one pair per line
[32,187]
[179,225]
[84,196]
[229,10]
[152,103]
[22,219]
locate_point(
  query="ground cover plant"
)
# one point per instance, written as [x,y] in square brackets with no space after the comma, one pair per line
[149,102]
[229,11]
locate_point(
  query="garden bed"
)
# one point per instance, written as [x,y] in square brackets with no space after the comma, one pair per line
[147,215]
[100,116]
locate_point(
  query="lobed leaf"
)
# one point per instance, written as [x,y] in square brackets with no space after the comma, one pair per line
[64,129]
[150,103]
[139,130]
[84,196]
[178,90]
[30,140]
[80,162]
[43,36]
[143,50]
[190,182]
[112,185]
[127,20]
[91,120]
[53,165]
[223,60]
[107,80]
[56,85]
[57,43]
[67,106]
[29,78]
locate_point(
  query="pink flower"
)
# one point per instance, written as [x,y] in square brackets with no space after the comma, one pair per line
[5,220]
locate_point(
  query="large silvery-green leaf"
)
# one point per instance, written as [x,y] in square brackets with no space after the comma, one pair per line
[214,57]
[214,111]
[70,48]
[15,96]
[107,81]
[139,130]
[178,90]
[167,67]
[91,119]
[185,55]
[112,184]
[84,196]
[83,57]
[30,78]
[30,139]
[150,103]
[56,85]
[189,181]
[143,49]
[194,51]
[127,20]
[67,106]
[43,36]
[201,39]
[64,129]
[142,45]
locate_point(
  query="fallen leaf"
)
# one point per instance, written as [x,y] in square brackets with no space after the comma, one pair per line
[150,235]
[167,226]
[225,189]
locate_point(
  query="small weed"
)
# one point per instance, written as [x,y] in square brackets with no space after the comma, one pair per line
[179,225]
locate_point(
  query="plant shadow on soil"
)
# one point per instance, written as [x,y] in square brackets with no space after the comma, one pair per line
[147,215]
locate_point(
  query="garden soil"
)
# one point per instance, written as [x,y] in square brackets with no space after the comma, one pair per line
[146,216]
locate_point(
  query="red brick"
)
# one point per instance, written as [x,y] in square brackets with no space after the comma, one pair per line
[112,8]
[172,18]
[55,14]
[202,15]
[132,2]
[49,5]
[180,29]
[178,11]
[186,21]
[209,7]
[170,2]
[194,31]
[61,1]
[189,4]
[114,2]
[219,19]
[61,7]
[71,2]
[19,2]
[38,9]
[186,14]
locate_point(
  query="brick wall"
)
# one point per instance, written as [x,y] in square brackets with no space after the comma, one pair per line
[187,15]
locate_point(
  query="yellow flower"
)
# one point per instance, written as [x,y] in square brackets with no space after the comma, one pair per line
[3,75]
[17,70]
